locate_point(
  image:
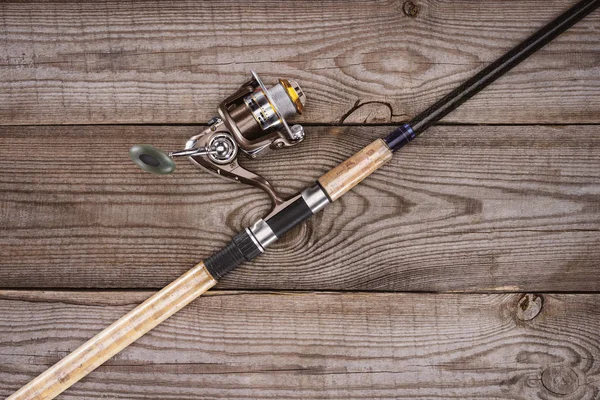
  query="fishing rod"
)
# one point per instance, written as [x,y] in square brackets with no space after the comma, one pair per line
[252,121]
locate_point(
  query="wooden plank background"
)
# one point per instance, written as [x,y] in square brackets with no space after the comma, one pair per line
[233,345]
[99,62]
[412,286]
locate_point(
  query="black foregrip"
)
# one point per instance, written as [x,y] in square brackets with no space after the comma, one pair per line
[240,249]
[289,217]
[243,248]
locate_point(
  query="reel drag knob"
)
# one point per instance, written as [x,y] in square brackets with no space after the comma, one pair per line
[151,159]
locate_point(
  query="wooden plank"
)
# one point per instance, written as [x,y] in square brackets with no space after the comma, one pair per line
[506,208]
[106,62]
[314,346]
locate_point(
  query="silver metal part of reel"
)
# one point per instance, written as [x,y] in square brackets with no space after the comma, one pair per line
[225,148]
[298,133]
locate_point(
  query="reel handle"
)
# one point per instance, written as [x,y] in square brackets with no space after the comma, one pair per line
[156,161]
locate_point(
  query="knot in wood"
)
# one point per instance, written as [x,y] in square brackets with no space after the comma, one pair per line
[529,306]
[560,380]
[410,9]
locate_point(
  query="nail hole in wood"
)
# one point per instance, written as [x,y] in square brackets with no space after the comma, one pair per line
[529,306]
[410,9]
[560,380]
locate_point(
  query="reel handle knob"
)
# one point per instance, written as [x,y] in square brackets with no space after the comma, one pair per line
[151,159]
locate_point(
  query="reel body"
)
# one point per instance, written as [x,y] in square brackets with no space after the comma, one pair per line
[251,121]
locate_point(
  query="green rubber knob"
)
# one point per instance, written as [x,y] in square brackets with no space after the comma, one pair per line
[151,159]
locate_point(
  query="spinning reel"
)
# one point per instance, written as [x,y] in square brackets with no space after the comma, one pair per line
[251,121]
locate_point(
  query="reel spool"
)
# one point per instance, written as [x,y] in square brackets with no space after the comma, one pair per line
[251,121]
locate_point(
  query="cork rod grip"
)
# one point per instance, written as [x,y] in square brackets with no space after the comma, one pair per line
[351,172]
[119,335]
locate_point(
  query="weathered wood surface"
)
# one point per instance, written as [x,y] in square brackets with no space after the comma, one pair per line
[100,62]
[467,208]
[464,208]
[314,346]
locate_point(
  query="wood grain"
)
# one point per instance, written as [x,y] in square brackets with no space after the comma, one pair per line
[232,345]
[120,334]
[491,208]
[342,178]
[100,62]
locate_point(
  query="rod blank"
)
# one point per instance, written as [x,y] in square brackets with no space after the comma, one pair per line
[502,65]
